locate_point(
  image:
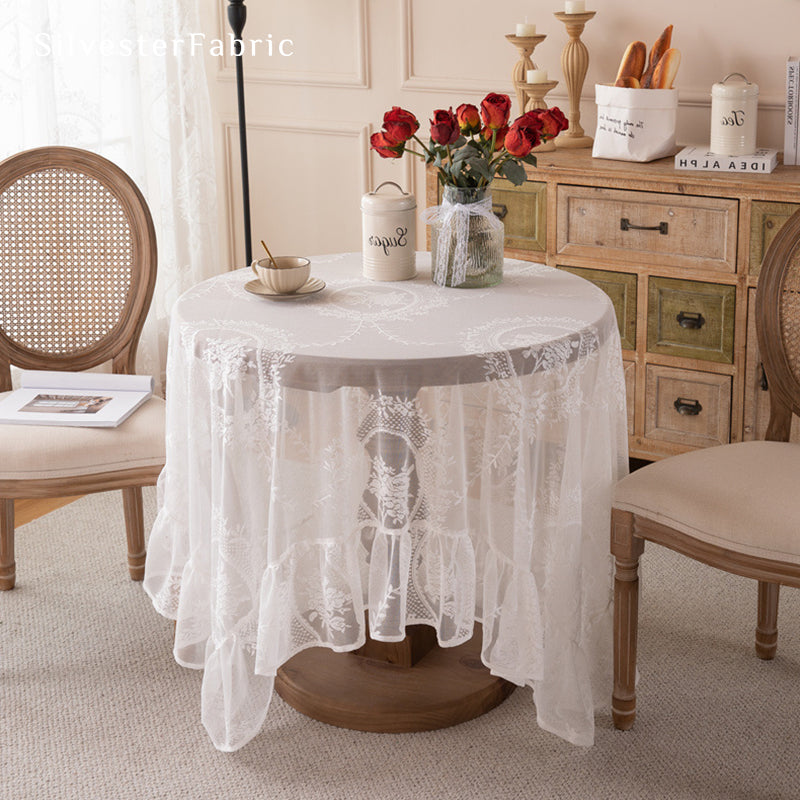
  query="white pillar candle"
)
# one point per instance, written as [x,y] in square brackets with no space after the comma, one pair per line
[574,6]
[536,75]
[526,29]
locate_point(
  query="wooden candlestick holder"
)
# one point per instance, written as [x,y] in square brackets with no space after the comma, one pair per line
[535,93]
[574,65]
[525,45]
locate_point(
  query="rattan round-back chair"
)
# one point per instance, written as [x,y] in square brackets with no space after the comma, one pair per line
[77,271]
[734,506]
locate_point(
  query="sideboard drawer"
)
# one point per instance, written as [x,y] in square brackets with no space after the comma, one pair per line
[766,219]
[687,406]
[691,319]
[523,210]
[621,288]
[647,227]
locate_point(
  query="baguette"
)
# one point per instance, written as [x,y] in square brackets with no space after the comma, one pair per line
[662,44]
[628,82]
[633,61]
[666,69]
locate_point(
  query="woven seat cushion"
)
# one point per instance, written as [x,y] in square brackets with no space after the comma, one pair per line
[744,497]
[32,452]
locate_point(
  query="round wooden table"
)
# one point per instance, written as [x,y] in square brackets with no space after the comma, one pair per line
[390,501]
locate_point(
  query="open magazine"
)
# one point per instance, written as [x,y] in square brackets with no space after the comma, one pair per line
[74,398]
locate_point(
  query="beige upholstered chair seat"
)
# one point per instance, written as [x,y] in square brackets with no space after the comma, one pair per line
[36,452]
[743,497]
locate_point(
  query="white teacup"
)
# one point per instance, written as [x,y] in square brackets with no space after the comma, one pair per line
[287,274]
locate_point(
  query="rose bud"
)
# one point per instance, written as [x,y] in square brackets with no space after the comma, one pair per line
[531,124]
[444,127]
[384,147]
[399,125]
[495,109]
[553,123]
[517,142]
[469,119]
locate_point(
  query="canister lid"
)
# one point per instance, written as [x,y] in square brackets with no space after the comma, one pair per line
[735,86]
[372,201]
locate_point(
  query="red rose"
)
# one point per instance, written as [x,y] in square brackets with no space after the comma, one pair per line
[553,123]
[524,134]
[384,147]
[399,125]
[469,119]
[532,123]
[499,136]
[518,142]
[495,109]
[444,127]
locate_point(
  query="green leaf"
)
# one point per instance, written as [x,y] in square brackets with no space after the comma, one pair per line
[530,159]
[478,165]
[514,171]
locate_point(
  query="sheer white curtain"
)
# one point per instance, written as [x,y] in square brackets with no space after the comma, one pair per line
[120,78]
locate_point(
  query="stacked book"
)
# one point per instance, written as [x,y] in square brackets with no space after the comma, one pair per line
[765,159]
[790,141]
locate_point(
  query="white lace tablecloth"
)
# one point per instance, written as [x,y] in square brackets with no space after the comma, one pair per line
[429,455]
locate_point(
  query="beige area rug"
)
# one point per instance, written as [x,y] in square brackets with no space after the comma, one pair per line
[93,706]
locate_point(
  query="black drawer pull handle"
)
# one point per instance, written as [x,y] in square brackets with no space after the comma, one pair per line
[691,319]
[689,408]
[501,213]
[662,227]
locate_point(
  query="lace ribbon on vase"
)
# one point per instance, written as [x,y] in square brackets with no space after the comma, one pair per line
[454,219]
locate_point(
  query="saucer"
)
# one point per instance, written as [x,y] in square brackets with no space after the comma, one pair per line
[311,286]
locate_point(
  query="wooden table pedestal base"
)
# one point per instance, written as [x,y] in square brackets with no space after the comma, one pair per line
[413,685]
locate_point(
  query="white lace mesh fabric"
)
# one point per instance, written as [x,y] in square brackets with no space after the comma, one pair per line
[430,455]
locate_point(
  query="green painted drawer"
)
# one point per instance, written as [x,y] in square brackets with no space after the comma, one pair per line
[621,288]
[523,210]
[766,219]
[691,319]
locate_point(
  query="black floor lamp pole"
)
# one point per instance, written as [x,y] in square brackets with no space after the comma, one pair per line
[237,16]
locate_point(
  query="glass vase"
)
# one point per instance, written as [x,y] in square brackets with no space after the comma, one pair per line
[466,240]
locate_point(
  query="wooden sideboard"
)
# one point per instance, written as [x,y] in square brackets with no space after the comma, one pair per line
[679,254]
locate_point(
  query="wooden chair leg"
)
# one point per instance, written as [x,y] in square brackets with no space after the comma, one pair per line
[767,625]
[8,568]
[134,528]
[627,549]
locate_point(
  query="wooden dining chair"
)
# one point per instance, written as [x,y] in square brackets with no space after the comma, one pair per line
[77,272]
[733,506]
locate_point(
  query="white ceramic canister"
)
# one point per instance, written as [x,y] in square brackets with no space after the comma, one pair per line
[388,226]
[734,116]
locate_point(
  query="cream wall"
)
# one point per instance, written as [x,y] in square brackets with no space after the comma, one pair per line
[310,114]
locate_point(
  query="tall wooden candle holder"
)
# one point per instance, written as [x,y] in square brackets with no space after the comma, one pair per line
[574,65]
[535,93]
[525,45]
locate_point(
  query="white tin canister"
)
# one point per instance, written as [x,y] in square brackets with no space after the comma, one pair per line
[388,225]
[734,116]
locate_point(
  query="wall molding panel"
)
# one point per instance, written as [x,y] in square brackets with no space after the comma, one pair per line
[409,79]
[359,134]
[358,79]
